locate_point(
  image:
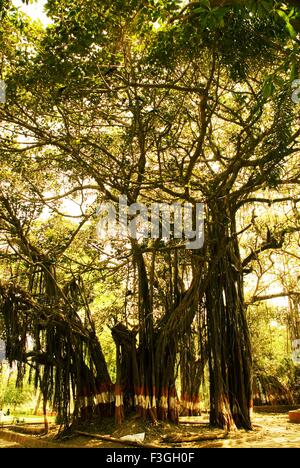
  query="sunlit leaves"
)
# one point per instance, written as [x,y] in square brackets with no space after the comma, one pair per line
[287,19]
[268,87]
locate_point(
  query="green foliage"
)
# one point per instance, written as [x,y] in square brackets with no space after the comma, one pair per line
[270,343]
[109,349]
[243,36]
[287,19]
[13,396]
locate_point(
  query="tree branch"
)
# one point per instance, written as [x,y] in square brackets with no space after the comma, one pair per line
[266,297]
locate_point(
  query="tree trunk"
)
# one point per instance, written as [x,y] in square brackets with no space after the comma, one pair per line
[38,402]
[192,363]
[230,360]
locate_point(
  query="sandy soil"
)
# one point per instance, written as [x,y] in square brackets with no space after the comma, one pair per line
[271,431]
[274,431]
[6,444]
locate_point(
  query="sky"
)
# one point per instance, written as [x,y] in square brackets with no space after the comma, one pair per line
[35,10]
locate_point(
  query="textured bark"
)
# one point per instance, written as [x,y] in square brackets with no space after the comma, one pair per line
[192,363]
[229,345]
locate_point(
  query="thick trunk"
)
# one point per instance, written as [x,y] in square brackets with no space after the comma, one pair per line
[192,363]
[145,392]
[134,384]
[229,346]
[146,382]
[38,402]
[93,396]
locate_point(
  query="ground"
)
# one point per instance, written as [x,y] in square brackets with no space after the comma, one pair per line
[277,432]
[6,444]
[271,431]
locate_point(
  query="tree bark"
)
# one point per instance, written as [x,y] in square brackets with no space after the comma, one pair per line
[230,360]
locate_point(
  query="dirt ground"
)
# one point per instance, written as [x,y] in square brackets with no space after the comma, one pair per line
[6,444]
[271,431]
[277,432]
[274,431]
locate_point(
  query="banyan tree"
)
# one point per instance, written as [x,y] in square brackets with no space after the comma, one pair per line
[159,105]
